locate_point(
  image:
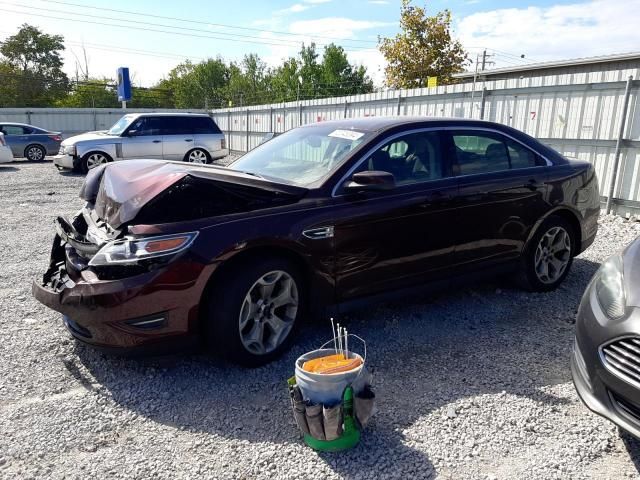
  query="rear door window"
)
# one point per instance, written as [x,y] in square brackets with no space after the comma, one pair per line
[486,152]
[13,130]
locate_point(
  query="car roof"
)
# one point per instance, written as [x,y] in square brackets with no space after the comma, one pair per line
[373,124]
[168,114]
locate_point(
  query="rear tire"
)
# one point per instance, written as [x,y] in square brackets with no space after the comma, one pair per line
[198,156]
[253,313]
[549,256]
[35,153]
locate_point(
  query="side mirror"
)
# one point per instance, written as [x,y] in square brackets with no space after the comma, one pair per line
[131,133]
[372,180]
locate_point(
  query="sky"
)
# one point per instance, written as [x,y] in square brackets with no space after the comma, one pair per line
[151,37]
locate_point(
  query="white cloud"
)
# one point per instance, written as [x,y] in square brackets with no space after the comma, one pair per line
[335,27]
[300,7]
[295,8]
[557,32]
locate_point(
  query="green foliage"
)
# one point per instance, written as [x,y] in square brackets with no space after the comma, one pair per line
[101,93]
[31,67]
[423,49]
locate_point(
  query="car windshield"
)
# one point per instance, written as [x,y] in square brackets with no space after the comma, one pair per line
[301,156]
[121,125]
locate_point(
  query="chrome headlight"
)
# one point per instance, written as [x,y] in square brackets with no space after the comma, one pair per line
[133,250]
[69,150]
[609,286]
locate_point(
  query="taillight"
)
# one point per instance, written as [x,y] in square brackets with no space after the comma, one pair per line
[56,138]
[223,143]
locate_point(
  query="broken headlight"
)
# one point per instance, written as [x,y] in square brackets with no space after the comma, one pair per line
[133,250]
[69,149]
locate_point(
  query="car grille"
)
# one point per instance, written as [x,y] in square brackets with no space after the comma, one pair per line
[622,358]
[630,409]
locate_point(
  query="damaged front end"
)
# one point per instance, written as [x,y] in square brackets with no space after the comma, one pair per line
[117,287]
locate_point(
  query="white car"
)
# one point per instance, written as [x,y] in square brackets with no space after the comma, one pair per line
[6,155]
[185,137]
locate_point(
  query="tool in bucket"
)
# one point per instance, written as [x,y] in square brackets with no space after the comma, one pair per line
[332,404]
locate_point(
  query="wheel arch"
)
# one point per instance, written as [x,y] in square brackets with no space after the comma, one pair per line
[34,144]
[197,147]
[310,280]
[566,214]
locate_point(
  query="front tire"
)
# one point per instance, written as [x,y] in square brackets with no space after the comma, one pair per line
[92,160]
[252,314]
[549,255]
[35,153]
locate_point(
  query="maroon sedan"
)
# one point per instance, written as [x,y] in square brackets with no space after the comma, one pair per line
[324,216]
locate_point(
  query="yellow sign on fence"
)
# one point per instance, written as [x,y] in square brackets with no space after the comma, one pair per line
[432,82]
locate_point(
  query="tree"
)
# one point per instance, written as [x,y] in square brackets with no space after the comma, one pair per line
[339,77]
[423,49]
[33,61]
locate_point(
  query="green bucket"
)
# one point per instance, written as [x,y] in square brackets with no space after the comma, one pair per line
[350,434]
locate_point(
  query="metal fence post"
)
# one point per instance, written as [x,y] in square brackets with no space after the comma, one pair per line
[399,102]
[247,149]
[229,127]
[616,155]
[29,112]
[271,119]
[346,108]
[299,114]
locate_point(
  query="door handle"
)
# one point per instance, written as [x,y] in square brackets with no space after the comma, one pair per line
[188,139]
[533,185]
[435,197]
[157,141]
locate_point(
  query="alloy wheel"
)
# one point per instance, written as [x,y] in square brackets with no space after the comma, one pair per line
[197,156]
[35,154]
[553,254]
[268,312]
[95,159]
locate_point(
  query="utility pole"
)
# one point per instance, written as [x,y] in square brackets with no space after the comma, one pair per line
[475,76]
[484,59]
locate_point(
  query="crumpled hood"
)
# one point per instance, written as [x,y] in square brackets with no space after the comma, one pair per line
[120,190]
[87,136]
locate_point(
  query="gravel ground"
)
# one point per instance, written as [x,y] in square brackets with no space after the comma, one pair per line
[472,384]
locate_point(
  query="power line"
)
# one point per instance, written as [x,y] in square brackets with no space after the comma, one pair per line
[226,36]
[200,22]
[153,30]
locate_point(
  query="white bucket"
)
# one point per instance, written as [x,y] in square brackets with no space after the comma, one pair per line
[327,388]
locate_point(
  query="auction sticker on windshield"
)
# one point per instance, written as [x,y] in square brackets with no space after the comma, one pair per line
[346,134]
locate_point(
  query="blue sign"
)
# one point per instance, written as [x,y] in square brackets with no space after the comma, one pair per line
[124,85]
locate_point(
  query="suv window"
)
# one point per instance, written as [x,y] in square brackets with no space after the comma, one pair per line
[13,130]
[187,125]
[490,152]
[411,158]
[147,126]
